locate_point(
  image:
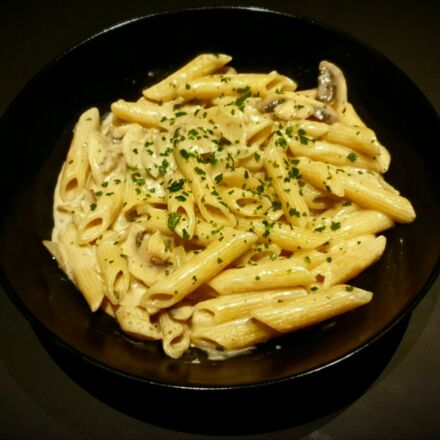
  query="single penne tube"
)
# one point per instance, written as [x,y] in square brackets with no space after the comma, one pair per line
[358,223]
[175,335]
[232,335]
[372,196]
[99,156]
[242,84]
[136,322]
[285,182]
[334,154]
[312,309]
[286,236]
[87,279]
[321,175]
[75,169]
[361,139]
[265,275]
[101,214]
[383,159]
[351,263]
[201,65]
[143,112]
[199,269]
[340,247]
[229,307]
[114,269]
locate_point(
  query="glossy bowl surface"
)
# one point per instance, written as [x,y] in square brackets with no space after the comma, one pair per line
[36,131]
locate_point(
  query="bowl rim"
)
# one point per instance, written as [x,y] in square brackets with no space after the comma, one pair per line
[58,341]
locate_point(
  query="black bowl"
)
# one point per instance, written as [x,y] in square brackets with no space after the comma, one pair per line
[35,134]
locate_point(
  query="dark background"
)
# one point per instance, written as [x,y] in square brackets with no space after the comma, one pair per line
[39,400]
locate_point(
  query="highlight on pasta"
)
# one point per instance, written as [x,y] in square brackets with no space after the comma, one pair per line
[223,209]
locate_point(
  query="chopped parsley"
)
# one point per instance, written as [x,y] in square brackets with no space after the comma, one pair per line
[184,154]
[352,157]
[302,137]
[173,220]
[176,185]
[335,226]
[163,166]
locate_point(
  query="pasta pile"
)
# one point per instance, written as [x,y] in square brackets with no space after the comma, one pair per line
[223,209]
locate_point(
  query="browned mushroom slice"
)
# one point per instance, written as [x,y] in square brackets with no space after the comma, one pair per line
[268,105]
[332,87]
[325,114]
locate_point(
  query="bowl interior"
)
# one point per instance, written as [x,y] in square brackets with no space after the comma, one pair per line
[36,132]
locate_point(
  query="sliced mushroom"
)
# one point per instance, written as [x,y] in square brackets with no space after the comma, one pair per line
[332,87]
[325,114]
[268,105]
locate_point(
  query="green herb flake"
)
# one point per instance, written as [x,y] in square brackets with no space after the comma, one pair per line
[352,157]
[173,220]
[163,166]
[184,154]
[176,185]
[335,226]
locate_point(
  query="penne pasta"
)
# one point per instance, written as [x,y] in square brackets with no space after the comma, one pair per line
[311,309]
[222,209]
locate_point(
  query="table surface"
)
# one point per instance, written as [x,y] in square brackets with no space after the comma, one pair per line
[41,401]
